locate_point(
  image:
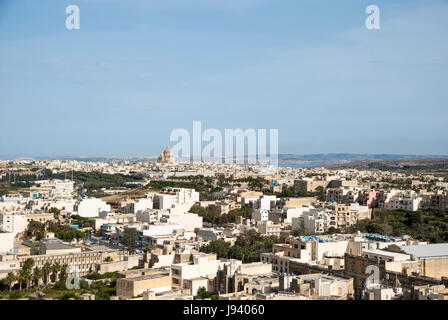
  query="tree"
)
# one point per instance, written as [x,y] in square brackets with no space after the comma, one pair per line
[11,278]
[130,238]
[28,277]
[21,277]
[46,270]
[373,227]
[35,227]
[28,264]
[55,211]
[63,273]
[25,274]
[55,268]
[203,294]
[37,275]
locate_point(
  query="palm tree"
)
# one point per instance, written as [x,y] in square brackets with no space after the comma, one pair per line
[63,273]
[10,279]
[37,275]
[28,276]
[46,270]
[22,275]
[55,268]
[28,264]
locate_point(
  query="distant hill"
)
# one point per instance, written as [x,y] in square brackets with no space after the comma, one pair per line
[325,159]
[433,166]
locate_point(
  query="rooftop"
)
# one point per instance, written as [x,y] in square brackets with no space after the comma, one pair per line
[387,253]
[427,250]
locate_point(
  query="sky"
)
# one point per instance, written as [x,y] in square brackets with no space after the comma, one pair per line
[138,69]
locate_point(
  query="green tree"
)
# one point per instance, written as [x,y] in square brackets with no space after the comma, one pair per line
[63,272]
[46,270]
[37,275]
[55,268]
[130,238]
[203,294]
[35,227]
[28,264]
[22,276]
[11,278]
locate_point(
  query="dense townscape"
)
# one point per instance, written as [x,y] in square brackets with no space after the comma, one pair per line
[169,230]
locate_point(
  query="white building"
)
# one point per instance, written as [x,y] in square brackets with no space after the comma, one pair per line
[260,215]
[89,208]
[160,229]
[148,216]
[177,197]
[7,241]
[202,265]
[268,228]
[410,204]
[266,202]
[142,205]
[291,213]
[14,222]
[189,221]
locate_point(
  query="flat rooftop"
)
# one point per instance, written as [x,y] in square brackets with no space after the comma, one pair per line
[427,250]
[146,277]
[387,253]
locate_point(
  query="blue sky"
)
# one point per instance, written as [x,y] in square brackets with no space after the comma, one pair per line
[137,69]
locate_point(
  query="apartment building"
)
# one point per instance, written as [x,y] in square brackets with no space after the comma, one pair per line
[39,217]
[133,283]
[438,201]
[268,228]
[397,199]
[343,194]
[148,215]
[53,189]
[176,197]
[7,241]
[260,215]
[141,205]
[266,202]
[309,185]
[318,285]
[15,222]
[200,265]
[249,199]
